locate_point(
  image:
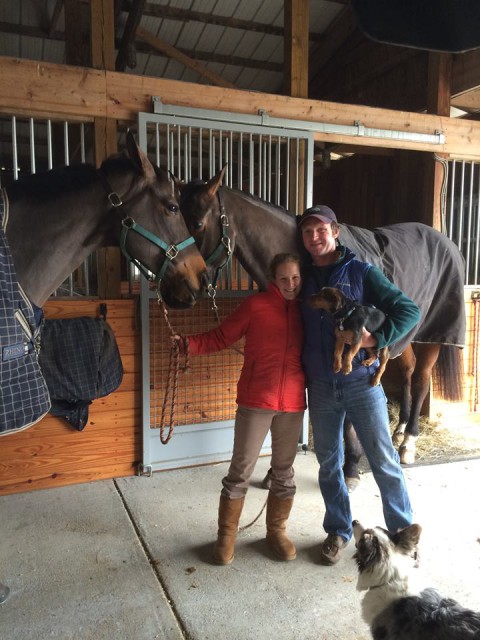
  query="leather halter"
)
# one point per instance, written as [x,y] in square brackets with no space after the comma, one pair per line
[129,224]
[225,244]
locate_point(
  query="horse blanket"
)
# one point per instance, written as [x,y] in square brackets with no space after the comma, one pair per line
[424,264]
[24,393]
[81,362]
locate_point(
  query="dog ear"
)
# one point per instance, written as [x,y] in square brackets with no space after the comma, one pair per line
[406,540]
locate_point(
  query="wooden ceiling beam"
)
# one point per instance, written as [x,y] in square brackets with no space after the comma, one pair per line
[177,55]
[143,47]
[185,15]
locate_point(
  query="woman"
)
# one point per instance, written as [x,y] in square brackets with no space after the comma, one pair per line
[270,396]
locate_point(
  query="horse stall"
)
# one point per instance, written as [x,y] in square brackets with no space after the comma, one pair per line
[194,134]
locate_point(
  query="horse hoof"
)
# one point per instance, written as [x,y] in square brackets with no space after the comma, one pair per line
[407,456]
[397,439]
[352,484]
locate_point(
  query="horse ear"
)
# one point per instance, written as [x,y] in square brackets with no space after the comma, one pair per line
[139,158]
[179,184]
[214,184]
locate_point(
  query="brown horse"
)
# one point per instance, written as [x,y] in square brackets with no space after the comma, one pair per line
[424,263]
[57,218]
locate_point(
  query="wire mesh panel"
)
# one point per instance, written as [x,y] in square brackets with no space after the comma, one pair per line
[266,159]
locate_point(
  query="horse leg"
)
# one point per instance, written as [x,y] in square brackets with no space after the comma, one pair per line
[406,366]
[426,356]
[353,453]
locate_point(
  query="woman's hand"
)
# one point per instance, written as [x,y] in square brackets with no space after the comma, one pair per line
[368,340]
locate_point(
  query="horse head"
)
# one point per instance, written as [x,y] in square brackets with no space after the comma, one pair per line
[202,207]
[153,233]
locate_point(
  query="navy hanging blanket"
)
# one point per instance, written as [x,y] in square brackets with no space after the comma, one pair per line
[24,397]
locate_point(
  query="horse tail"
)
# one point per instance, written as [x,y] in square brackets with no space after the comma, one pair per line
[448,373]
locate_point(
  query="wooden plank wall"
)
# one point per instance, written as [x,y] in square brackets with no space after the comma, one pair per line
[52,453]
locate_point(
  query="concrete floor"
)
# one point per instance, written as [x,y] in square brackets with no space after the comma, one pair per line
[128,559]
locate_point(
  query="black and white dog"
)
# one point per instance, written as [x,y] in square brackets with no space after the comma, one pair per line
[393,606]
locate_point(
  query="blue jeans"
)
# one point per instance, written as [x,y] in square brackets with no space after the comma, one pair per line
[366,406]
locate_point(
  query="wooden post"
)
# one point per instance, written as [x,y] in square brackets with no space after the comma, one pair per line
[103,57]
[438,102]
[296,22]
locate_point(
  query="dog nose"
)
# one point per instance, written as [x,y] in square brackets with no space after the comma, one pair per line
[355,522]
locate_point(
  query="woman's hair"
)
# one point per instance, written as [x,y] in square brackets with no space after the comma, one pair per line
[282,258]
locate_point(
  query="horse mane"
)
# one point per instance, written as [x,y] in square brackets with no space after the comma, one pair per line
[257,200]
[49,184]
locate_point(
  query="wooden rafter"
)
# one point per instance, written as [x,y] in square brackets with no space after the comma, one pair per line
[176,54]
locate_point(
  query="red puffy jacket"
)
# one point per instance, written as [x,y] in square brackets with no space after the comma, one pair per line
[272,375]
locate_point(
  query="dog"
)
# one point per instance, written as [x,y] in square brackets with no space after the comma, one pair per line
[350,319]
[396,608]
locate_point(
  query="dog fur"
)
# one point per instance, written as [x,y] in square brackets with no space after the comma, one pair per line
[394,606]
[350,319]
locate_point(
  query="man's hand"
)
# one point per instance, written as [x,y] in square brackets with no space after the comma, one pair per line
[368,340]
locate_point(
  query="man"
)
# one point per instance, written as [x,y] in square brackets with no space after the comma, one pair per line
[331,395]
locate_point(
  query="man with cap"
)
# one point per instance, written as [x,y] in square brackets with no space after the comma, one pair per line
[332,396]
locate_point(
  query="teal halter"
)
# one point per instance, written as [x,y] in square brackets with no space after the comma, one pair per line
[171,251]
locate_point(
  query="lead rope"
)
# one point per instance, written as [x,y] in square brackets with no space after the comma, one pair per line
[174,367]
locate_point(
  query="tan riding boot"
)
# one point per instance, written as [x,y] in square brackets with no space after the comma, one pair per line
[228,516]
[277,515]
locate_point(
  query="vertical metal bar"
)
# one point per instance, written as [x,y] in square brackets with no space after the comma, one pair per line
[452,200]
[230,162]
[287,177]
[309,164]
[32,145]
[476,275]
[460,211]
[251,164]
[200,154]
[157,144]
[278,170]
[14,148]
[66,143]
[82,142]
[179,154]
[220,150]
[297,173]
[469,223]
[269,170]
[49,144]
[240,162]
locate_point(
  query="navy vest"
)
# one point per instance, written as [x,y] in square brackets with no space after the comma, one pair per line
[317,355]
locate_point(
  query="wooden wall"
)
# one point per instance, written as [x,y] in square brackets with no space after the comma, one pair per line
[52,453]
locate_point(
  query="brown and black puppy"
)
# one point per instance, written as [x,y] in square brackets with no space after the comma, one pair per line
[350,318]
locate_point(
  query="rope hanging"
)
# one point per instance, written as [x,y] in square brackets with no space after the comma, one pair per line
[174,367]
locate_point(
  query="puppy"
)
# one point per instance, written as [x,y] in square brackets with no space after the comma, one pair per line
[393,606]
[350,318]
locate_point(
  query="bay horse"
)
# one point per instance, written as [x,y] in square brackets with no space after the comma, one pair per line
[421,261]
[56,219]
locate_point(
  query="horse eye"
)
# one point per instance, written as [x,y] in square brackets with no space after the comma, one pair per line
[173,208]
[198,224]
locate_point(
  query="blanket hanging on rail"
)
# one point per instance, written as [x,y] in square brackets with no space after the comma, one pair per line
[24,397]
[81,362]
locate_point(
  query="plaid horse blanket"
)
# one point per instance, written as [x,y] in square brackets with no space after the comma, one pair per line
[81,362]
[24,394]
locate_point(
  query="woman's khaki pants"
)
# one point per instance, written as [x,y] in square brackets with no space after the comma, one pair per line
[250,431]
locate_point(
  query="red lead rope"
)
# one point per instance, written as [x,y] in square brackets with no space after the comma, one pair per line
[171,389]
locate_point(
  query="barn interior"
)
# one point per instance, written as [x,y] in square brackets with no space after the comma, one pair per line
[373,109]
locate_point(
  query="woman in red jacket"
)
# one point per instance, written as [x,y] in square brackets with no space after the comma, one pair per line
[270,396]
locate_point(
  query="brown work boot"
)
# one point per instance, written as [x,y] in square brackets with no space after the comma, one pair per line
[331,549]
[277,515]
[229,512]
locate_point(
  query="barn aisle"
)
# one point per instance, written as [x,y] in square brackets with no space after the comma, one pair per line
[123,559]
